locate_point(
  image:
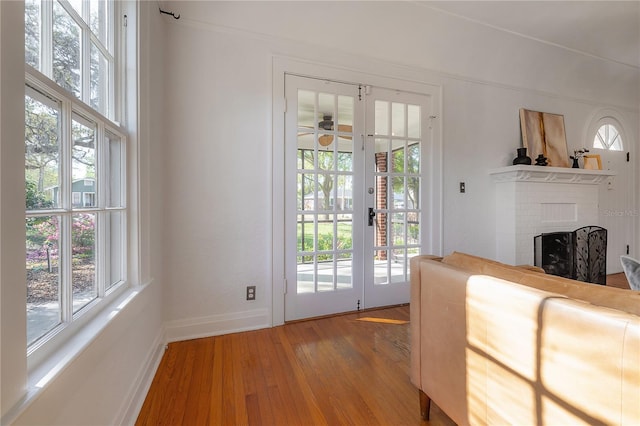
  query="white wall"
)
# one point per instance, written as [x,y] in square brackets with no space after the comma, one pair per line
[219,129]
[105,381]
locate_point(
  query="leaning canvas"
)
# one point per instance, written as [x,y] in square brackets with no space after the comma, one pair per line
[544,133]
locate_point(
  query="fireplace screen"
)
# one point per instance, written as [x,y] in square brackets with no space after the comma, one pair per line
[580,255]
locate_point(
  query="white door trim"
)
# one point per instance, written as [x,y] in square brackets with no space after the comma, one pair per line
[284,65]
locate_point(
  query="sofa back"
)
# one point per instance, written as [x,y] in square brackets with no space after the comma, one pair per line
[490,351]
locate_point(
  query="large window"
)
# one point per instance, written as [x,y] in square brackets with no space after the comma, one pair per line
[74,164]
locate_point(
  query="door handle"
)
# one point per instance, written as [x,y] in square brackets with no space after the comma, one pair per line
[372,214]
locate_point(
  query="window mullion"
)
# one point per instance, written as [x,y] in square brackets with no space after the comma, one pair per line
[66,275]
[101,243]
[85,64]
[46,38]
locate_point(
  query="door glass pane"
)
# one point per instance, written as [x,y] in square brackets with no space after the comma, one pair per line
[398,119]
[66,50]
[381,118]
[42,152]
[83,268]
[397,227]
[398,266]
[325,191]
[43,276]
[345,114]
[413,121]
[306,109]
[380,267]
[325,273]
[398,193]
[344,193]
[413,158]
[306,274]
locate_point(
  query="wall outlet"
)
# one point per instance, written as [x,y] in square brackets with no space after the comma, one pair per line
[251,292]
[463,187]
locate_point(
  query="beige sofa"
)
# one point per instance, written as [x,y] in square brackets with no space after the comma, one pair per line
[497,344]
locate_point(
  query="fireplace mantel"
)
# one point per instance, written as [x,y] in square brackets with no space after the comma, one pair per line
[531,200]
[549,174]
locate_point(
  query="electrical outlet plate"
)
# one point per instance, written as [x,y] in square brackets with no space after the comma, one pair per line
[251,292]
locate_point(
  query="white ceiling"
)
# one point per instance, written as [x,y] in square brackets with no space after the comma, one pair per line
[606,29]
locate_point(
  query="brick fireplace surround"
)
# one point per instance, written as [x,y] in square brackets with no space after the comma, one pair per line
[531,200]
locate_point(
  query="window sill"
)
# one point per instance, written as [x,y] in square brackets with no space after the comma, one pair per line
[55,361]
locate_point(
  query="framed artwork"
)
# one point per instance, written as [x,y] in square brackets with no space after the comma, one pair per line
[543,133]
[592,162]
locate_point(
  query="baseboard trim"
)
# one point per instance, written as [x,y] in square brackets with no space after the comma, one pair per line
[215,325]
[134,401]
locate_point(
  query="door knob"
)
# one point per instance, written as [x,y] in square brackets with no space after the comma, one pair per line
[372,214]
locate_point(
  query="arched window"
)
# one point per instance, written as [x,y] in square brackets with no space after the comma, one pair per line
[608,137]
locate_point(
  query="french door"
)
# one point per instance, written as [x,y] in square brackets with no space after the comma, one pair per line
[354,195]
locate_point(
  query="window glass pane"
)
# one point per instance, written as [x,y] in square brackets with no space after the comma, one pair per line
[84,159]
[99,81]
[43,276]
[115,170]
[42,153]
[66,50]
[32,33]
[83,269]
[99,20]
[115,235]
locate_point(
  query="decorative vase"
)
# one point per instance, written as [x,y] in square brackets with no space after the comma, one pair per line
[522,157]
[541,160]
[575,163]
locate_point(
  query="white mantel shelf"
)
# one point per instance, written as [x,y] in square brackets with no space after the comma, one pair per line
[522,173]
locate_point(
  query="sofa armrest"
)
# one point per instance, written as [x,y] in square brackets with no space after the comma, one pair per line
[414,311]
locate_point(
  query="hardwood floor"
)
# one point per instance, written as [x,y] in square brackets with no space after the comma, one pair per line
[618,280]
[350,369]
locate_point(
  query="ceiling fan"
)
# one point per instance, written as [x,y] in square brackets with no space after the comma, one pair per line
[328,125]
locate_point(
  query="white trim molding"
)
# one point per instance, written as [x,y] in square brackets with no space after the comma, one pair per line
[216,325]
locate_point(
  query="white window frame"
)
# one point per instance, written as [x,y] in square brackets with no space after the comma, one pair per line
[110,51]
[70,107]
[601,118]
[107,292]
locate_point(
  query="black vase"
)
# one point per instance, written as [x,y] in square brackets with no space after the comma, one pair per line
[575,163]
[522,157]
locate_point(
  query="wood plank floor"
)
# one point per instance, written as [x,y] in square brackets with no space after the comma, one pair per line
[350,369]
[618,280]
